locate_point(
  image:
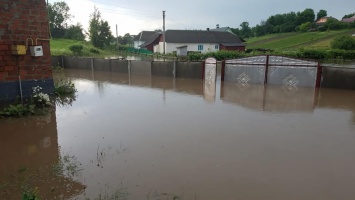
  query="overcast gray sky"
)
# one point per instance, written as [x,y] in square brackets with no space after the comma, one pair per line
[133,16]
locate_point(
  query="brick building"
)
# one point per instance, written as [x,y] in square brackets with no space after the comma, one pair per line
[24,48]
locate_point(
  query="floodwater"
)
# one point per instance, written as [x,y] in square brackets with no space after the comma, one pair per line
[162,138]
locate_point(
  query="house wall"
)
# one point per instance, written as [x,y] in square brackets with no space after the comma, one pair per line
[138,43]
[232,48]
[23,20]
[171,47]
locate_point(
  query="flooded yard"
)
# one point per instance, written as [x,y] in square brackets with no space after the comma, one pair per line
[142,137]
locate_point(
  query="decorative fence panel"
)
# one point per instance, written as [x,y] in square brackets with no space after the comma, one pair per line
[276,70]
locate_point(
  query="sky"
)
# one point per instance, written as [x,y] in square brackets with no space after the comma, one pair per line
[134,16]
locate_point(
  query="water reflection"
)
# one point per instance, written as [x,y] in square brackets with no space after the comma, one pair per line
[30,158]
[163,138]
[270,97]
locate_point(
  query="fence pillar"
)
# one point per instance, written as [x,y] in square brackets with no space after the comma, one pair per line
[209,75]
[266,69]
[223,69]
[319,75]
[62,58]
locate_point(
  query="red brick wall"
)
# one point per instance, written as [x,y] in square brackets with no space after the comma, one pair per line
[233,48]
[19,20]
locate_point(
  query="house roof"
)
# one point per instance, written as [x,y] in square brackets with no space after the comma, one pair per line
[151,39]
[325,19]
[349,20]
[197,36]
[193,36]
[143,36]
[222,29]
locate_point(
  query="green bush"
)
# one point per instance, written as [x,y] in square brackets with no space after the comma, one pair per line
[341,54]
[64,86]
[219,55]
[194,56]
[94,50]
[344,42]
[18,110]
[312,54]
[77,49]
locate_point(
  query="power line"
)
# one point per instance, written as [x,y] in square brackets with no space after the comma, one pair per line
[119,6]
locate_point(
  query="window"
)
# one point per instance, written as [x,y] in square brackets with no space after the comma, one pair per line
[200,47]
[216,46]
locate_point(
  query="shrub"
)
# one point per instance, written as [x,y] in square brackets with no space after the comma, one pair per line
[77,49]
[64,86]
[219,55]
[94,50]
[39,98]
[312,54]
[343,42]
[18,110]
[341,54]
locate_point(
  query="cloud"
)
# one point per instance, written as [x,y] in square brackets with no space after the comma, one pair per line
[133,16]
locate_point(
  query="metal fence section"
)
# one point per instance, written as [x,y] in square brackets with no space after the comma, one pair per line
[276,70]
[291,72]
[245,70]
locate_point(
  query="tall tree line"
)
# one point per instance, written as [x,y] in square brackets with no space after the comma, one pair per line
[99,31]
[290,22]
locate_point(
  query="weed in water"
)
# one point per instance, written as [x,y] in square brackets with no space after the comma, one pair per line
[62,85]
[67,165]
[18,110]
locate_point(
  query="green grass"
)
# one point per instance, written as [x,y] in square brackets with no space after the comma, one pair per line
[61,47]
[293,41]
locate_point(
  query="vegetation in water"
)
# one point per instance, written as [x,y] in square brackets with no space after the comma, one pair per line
[18,110]
[39,101]
[62,84]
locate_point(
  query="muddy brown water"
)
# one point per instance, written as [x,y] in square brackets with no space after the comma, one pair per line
[162,138]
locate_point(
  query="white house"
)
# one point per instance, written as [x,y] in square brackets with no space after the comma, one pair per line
[182,42]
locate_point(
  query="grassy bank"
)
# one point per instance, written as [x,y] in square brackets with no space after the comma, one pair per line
[294,41]
[61,47]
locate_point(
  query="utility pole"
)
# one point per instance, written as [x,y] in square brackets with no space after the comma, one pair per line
[164,32]
[118,49]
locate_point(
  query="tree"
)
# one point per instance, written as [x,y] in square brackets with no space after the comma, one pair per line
[75,32]
[306,16]
[99,30]
[58,18]
[343,42]
[127,39]
[349,15]
[305,26]
[245,30]
[321,13]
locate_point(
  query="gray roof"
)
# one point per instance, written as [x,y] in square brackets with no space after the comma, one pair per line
[151,39]
[143,36]
[222,29]
[194,36]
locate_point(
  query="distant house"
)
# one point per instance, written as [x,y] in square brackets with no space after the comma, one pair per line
[349,20]
[183,41]
[323,20]
[223,29]
[142,37]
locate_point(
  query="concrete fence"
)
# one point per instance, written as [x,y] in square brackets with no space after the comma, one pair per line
[332,77]
[133,67]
